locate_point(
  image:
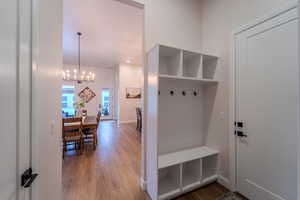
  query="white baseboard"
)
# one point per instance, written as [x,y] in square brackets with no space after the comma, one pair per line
[127,122]
[143,184]
[224,182]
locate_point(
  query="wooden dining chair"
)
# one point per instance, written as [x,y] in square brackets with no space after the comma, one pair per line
[72,133]
[90,133]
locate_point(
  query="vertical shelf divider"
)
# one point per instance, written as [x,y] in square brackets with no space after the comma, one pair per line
[181,177]
[200,71]
[180,71]
[201,170]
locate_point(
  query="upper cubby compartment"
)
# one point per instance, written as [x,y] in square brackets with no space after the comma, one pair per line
[187,65]
[170,61]
[191,64]
[209,66]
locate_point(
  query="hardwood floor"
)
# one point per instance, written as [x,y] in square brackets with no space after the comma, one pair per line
[111,172]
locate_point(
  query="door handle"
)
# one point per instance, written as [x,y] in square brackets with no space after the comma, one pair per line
[240,134]
[28,178]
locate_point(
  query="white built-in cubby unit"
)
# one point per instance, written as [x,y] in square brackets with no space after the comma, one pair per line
[181,88]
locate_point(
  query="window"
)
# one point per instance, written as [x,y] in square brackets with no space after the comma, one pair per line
[68,100]
[64,105]
[64,98]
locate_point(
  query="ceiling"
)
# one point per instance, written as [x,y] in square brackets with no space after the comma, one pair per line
[112,32]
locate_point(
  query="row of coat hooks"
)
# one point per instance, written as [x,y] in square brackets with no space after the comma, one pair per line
[183,92]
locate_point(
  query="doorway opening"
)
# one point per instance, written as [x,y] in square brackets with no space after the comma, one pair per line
[110,47]
[106,104]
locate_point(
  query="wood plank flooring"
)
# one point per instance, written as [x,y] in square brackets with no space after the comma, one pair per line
[111,172]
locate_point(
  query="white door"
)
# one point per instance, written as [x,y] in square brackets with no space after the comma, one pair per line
[267,73]
[107,103]
[15,95]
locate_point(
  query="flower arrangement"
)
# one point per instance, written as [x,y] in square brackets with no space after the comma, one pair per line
[79,105]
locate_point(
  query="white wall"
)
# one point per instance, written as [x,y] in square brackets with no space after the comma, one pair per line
[47,66]
[174,23]
[218,21]
[104,78]
[130,76]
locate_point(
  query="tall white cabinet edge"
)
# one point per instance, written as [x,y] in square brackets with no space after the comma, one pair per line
[178,160]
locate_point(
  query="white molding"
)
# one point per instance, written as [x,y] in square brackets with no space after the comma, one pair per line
[224,182]
[143,184]
[127,122]
[298,136]
[232,139]
[287,7]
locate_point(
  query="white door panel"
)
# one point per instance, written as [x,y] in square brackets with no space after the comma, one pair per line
[15,95]
[8,83]
[267,103]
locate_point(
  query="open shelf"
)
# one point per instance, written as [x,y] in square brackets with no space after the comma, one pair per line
[209,167]
[168,181]
[180,81]
[191,174]
[191,64]
[170,159]
[170,61]
[202,81]
[209,65]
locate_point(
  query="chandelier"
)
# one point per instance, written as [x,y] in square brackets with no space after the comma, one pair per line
[78,75]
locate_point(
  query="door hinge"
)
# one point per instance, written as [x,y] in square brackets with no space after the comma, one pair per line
[28,178]
[239,124]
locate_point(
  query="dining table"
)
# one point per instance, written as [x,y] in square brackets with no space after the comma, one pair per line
[87,122]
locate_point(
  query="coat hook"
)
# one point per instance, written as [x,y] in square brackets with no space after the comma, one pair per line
[172,92]
[183,93]
[158,92]
[195,93]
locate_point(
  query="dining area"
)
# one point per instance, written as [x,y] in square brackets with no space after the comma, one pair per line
[80,132]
